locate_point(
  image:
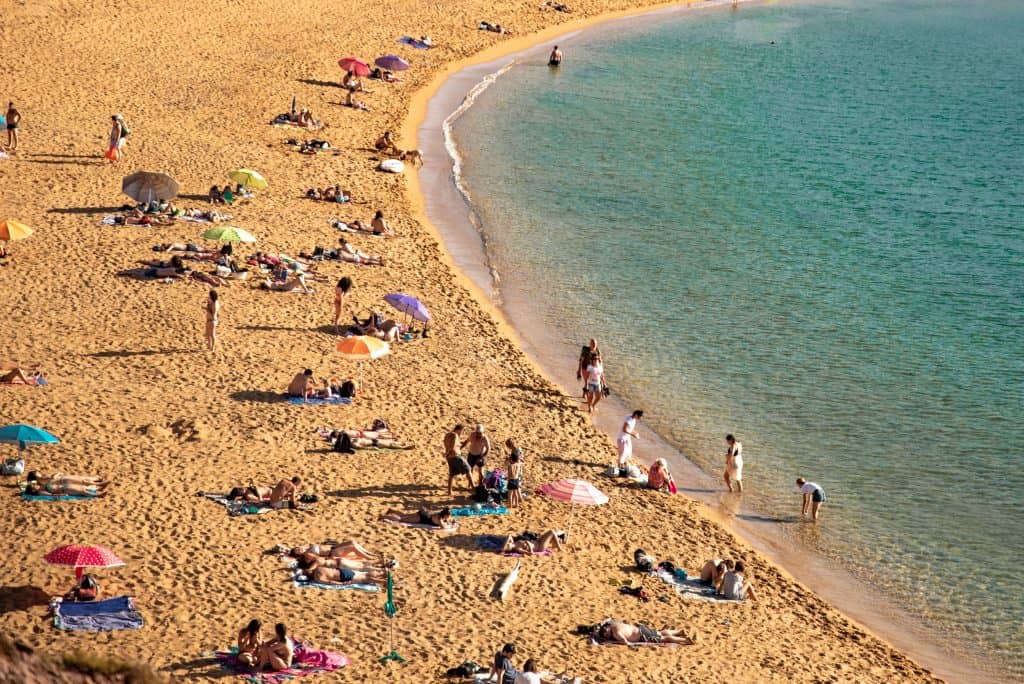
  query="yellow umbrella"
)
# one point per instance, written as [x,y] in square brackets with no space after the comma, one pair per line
[13,230]
[362,348]
[248,178]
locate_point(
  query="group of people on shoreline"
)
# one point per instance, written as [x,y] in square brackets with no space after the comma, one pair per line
[590,369]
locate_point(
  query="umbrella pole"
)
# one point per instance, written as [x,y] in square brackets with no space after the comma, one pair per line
[572,514]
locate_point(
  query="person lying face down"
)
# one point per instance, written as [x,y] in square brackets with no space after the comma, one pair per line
[441,519]
[322,571]
[59,484]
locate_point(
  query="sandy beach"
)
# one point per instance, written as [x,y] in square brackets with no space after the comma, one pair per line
[135,398]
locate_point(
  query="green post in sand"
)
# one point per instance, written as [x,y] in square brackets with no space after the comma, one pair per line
[391,611]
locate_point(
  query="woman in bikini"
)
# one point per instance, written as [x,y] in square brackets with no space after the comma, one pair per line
[59,484]
[379,226]
[549,541]
[442,519]
[249,639]
[212,309]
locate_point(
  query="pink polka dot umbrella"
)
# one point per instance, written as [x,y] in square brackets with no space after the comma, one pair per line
[80,557]
[575,492]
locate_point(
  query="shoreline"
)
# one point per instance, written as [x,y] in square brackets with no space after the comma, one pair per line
[465,249]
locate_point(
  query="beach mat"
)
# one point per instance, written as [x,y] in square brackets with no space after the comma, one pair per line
[97,616]
[472,511]
[54,497]
[493,542]
[305,662]
[317,401]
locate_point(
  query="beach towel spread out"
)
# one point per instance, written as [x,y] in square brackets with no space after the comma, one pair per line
[472,511]
[54,497]
[425,527]
[247,507]
[97,616]
[300,580]
[305,661]
[492,542]
[317,401]
[691,588]
[419,44]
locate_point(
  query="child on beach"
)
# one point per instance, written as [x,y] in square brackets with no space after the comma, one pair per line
[515,475]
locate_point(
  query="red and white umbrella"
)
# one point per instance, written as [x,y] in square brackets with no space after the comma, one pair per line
[354,66]
[80,557]
[575,492]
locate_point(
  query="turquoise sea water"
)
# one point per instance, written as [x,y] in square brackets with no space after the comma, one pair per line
[817,244]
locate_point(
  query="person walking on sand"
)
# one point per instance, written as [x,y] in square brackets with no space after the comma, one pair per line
[479,447]
[118,137]
[212,309]
[341,291]
[595,382]
[586,354]
[457,464]
[814,496]
[624,441]
[733,464]
[13,118]
[555,58]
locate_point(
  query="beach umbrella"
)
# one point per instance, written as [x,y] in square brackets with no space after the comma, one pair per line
[229,234]
[23,435]
[408,304]
[575,492]
[13,230]
[391,63]
[354,66]
[146,186]
[80,557]
[248,178]
[362,348]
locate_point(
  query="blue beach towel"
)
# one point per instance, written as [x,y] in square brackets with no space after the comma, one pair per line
[97,616]
[418,44]
[319,401]
[52,497]
[493,542]
[472,511]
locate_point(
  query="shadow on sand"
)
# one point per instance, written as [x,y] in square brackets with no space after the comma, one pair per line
[260,396]
[315,82]
[84,210]
[126,353]
[201,668]
[15,599]
[387,490]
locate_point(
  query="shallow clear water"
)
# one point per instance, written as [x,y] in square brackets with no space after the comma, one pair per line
[816,244]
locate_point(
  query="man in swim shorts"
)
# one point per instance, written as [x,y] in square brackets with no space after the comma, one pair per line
[733,464]
[555,58]
[479,447]
[13,120]
[619,632]
[457,464]
[814,496]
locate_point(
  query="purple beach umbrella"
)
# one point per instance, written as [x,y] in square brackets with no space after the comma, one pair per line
[391,63]
[408,304]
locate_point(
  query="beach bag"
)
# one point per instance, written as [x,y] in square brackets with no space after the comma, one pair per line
[125,131]
[343,444]
[480,494]
[113,154]
[12,466]
[495,480]
[672,487]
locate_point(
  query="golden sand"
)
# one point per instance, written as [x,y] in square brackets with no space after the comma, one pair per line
[135,400]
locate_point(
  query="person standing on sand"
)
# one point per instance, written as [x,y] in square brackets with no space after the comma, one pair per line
[456,463]
[212,309]
[627,434]
[595,382]
[555,58]
[479,448]
[118,137]
[733,464]
[13,117]
[814,496]
[341,290]
[586,354]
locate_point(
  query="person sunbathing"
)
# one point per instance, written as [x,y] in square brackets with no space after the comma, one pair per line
[735,586]
[18,376]
[183,247]
[252,494]
[249,639]
[209,279]
[59,484]
[341,576]
[526,544]
[298,282]
[619,632]
[174,262]
[493,28]
[308,562]
[350,550]
[85,589]
[442,519]
[214,195]
[286,491]
[276,654]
